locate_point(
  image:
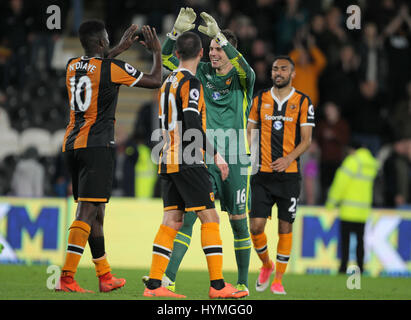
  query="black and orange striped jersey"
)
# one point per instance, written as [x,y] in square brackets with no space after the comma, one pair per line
[93,86]
[279,125]
[181,99]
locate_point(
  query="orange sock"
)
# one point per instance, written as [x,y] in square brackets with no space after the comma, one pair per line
[101,265]
[260,246]
[213,249]
[162,248]
[285,242]
[77,240]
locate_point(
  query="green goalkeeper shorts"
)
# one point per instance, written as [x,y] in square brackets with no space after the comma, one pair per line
[234,192]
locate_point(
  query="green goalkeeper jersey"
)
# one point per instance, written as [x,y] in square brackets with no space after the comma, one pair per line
[228,99]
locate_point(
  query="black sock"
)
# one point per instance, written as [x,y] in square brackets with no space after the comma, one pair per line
[153,284]
[217,284]
[96,247]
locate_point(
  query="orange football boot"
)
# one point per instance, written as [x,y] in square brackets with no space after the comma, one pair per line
[107,282]
[68,284]
[161,292]
[227,292]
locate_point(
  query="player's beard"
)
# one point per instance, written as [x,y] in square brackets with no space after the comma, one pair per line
[282,84]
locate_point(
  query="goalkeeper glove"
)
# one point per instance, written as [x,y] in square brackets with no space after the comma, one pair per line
[212,30]
[184,22]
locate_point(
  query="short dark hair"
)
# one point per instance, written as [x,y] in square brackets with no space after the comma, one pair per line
[231,37]
[188,45]
[284,57]
[90,32]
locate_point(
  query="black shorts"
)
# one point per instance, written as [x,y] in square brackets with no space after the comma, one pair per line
[268,189]
[187,190]
[91,171]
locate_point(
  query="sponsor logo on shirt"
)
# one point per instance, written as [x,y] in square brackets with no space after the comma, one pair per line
[278,118]
[216,95]
[278,125]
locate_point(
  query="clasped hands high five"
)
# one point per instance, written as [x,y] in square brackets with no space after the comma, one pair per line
[185,22]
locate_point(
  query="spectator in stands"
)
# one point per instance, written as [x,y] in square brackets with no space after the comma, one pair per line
[224,13]
[116,17]
[262,78]
[246,33]
[318,30]
[5,54]
[400,119]
[41,37]
[146,121]
[260,51]
[335,34]
[310,161]
[381,12]
[397,43]
[309,63]
[268,13]
[28,177]
[332,135]
[14,26]
[368,118]
[373,65]
[260,60]
[397,175]
[287,26]
[340,81]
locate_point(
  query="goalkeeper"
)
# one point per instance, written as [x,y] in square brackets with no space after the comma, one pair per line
[228,83]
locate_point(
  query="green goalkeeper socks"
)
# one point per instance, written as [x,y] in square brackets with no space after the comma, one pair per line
[242,247]
[181,244]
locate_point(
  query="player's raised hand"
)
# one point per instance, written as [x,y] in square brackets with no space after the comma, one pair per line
[185,21]
[151,41]
[128,37]
[125,43]
[211,28]
[222,165]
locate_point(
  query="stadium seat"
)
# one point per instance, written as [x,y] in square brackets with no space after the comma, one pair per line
[383,154]
[57,140]
[9,142]
[4,120]
[39,138]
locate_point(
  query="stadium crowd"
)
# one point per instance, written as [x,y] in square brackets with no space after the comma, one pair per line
[359,81]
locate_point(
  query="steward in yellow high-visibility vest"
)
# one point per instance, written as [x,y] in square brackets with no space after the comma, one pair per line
[352,192]
[146,173]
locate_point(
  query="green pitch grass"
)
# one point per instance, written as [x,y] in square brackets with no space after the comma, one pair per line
[29,283]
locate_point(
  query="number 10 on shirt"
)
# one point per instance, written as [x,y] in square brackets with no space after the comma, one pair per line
[83,84]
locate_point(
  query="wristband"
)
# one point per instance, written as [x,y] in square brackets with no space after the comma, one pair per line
[173,34]
[221,39]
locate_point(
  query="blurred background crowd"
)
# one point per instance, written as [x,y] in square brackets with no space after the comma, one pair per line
[359,81]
